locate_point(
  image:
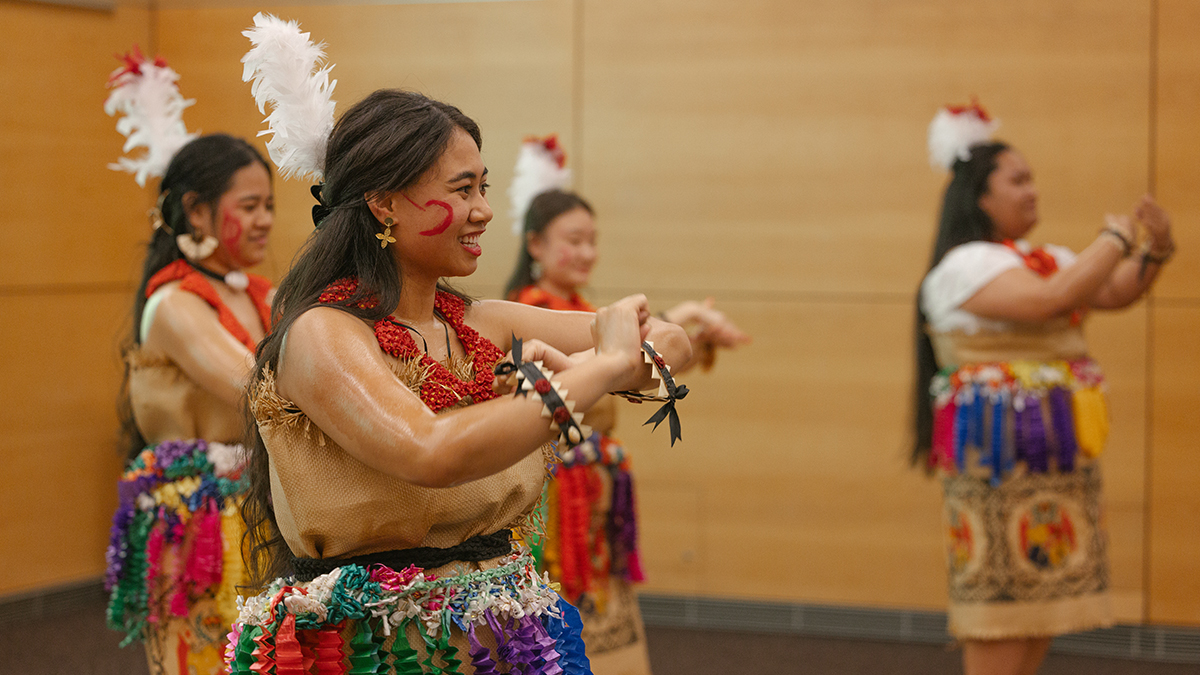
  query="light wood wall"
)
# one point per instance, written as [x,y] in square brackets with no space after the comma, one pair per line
[771,154]
[69,232]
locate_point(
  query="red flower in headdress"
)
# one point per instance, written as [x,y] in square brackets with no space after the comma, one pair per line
[550,143]
[133,65]
[973,107]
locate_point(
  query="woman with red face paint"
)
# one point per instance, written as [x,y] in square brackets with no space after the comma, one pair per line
[590,546]
[387,472]
[174,559]
[1009,407]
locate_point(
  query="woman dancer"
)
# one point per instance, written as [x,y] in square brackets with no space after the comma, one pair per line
[591,523]
[388,473]
[174,560]
[1016,417]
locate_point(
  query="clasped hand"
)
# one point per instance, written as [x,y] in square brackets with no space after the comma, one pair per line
[617,331]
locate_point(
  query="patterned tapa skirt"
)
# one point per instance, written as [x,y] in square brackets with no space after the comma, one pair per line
[1026,558]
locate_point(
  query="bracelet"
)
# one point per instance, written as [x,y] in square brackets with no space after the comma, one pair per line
[1126,245]
[1149,256]
[532,378]
[668,391]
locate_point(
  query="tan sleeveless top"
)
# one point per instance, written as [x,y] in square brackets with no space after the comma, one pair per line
[168,405]
[329,505]
[1053,341]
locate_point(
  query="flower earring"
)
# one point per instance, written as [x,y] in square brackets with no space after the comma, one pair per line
[386,237]
[196,246]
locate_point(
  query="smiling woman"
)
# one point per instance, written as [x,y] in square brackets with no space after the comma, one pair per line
[173,562]
[387,472]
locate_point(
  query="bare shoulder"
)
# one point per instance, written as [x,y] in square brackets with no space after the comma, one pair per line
[323,347]
[494,319]
[180,311]
[319,330]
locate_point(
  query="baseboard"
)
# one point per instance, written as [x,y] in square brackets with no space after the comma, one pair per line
[1138,642]
[54,601]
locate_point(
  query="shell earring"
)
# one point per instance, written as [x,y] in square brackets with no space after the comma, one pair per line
[386,237]
[535,270]
[196,249]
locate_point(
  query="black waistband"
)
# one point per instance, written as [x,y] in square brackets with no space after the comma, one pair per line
[478,548]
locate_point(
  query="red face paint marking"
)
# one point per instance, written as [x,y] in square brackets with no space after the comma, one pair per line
[445,222]
[231,231]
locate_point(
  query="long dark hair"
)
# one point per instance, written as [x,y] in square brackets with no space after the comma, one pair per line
[542,211]
[203,168]
[384,143]
[961,221]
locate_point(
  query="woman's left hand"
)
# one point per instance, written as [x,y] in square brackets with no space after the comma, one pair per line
[1157,223]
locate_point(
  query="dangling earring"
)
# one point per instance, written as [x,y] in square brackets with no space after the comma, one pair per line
[194,248]
[156,213]
[535,270]
[386,237]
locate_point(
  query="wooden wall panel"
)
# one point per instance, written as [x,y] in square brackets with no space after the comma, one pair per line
[780,159]
[1119,343]
[806,494]
[66,217]
[506,65]
[780,146]
[70,233]
[1177,170]
[59,444]
[1174,547]
[1174,539]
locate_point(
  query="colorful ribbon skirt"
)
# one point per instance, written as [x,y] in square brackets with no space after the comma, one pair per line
[357,620]
[989,418]
[174,558]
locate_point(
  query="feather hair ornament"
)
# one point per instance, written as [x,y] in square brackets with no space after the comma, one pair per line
[541,167]
[290,74]
[146,94]
[954,130]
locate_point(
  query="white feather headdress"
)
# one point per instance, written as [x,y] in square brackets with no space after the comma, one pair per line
[146,94]
[540,168]
[954,130]
[289,73]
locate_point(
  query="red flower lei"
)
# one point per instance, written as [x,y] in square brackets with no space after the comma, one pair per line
[1037,259]
[441,388]
[196,283]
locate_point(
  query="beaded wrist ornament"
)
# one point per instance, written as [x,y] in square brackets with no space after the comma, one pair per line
[667,391]
[532,378]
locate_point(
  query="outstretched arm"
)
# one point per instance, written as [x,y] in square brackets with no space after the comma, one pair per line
[333,369]
[570,332]
[1022,295]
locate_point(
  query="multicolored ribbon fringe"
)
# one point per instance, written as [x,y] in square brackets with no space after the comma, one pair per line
[303,628]
[175,494]
[1043,414]
[578,552]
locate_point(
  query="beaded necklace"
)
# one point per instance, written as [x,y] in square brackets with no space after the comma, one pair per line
[440,389]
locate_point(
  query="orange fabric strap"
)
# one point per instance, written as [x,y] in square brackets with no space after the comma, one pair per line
[197,284]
